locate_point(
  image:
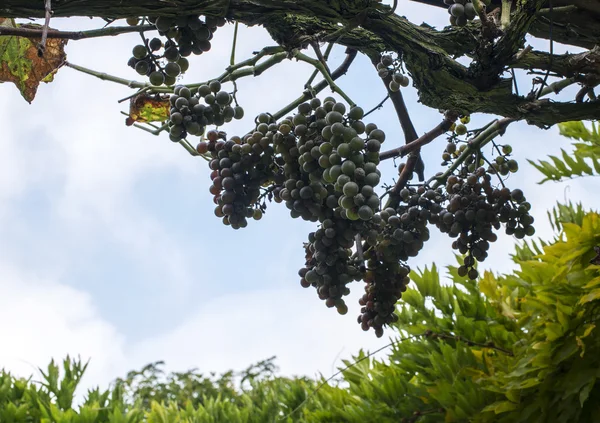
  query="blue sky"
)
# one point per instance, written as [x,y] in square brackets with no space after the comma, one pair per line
[108,243]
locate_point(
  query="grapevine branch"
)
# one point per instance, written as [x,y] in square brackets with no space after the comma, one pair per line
[426,138]
[74,35]
[308,94]
[318,65]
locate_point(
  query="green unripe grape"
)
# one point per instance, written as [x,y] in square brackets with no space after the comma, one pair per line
[238,112]
[356,144]
[223,98]
[139,51]
[513,166]
[327,133]
[348,168]
[372,179]
[378,134]
[155,44]
[204,90]
[365,212]
[324,162]
[346,202]
[457,10]
[335,159]
[170,80]
[172,69]
[142,68]
[333,117]
[460,129]
[184,64]
[172,54]
[506,149]
[370,168]
[337,128]
[367,191]
[356,113]
[335,171]
[326,148]
[343,180]
[394,87]
[344,150]
[358,159]
[327,176]
[157,78]
[215,86]
[133,20]
[373,202]
[340,108]
[351,214]
[350,189]
[405,81]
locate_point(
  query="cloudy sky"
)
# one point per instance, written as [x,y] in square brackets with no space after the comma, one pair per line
[109,248]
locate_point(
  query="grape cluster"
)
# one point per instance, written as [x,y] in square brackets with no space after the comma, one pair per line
[388,66]
[330,265]
[190,117]
[385,283]
[400,233]
[162,61]
[239,168]
[474,210]
[461,11]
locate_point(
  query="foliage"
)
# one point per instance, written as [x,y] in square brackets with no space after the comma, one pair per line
[517,347]
[576,163]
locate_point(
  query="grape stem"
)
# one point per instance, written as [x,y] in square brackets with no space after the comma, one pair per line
[308,94]
[316,71]
[74,35]
[318,65]
[41,48]
[426,138]
[496,128]
[233,44]
[379,106]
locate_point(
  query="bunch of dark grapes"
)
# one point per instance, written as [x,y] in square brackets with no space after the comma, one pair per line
[461,11]
[190,117]
[330,264]
[399,233]
[164,62]
[388,66]
[240,167]
[475,209]
[385,283]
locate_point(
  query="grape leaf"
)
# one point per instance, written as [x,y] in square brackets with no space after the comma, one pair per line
[145,108]
[20,63]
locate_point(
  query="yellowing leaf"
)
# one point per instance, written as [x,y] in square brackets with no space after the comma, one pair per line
[145,108]
[20,63]
[594,295]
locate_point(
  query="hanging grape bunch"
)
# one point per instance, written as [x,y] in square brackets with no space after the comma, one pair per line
[388,66]
[164,61]
[190,116]
[475,209]
[400,234]
[240,167]
[461,11]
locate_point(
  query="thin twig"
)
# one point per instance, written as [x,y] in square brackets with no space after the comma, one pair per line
[379,106]
[426,138]
[317,64]
[42,45]
[316,71]
[233,45]
[308,94]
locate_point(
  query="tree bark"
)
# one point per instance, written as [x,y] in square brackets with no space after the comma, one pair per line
[441,81]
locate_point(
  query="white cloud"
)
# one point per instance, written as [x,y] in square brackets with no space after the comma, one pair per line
[43,319]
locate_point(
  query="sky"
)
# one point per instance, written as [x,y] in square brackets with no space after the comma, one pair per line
[109,248]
